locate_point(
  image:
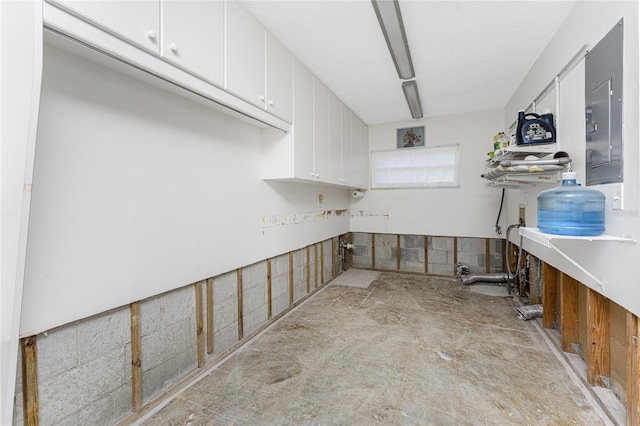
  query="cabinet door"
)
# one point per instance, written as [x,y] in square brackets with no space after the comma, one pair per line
[321,158]
[279,79]
[360,153]
[335,138]
[302,121]
[136,21]
[193,37]
[245,60]
[346,146]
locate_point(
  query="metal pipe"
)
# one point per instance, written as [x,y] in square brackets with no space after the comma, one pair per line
[484,278]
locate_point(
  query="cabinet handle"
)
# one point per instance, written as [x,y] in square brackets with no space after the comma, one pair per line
[317,175]
[270,102]
[173,47]
[261,97]
[152,35]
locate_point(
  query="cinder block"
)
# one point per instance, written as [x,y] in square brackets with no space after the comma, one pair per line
[150,315]
[441,243]
[225,286]
[68,393]
[157,379]
[178,304]
[472,245]
[226,337]
[361,239]
[18,413]
[437,257]
[159,347]
[103,333]
[412,241]
[386,264]
[439,269]
[282,265]
[279,304]
[57,352]
[109,410]
[409,255]
[412,266]
[386,240]
[470,259]
[224,314]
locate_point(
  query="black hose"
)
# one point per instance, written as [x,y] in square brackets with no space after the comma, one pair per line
[498,229]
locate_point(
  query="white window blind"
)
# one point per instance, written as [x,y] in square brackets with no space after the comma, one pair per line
[435,167]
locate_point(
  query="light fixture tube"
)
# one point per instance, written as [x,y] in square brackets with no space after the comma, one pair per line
[410,89]
[388,13]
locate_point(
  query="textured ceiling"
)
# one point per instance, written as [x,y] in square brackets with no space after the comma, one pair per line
[468,55]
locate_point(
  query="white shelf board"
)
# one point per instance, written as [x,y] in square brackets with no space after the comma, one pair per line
[579,257]
[541,148]
[517,180]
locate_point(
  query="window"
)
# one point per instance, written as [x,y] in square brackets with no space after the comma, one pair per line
[435,167]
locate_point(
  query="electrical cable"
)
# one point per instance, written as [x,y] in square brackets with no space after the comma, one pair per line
[498,229]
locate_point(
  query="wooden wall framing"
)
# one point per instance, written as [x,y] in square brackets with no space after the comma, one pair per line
[603,333]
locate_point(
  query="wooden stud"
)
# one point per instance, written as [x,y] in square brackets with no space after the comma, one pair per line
[504,255]
[269,306]
[549,295]
[29,349]
[290,278]
[333,257]
[308,268]
[348,254]
[210,316]
[455,255]
[315,265]
[568,304]
[136,357]
[240,314]
[199,324]
[598,348]
[487,259]
[426,254]
[322,262]
[373,251]
[398,251]
[633,370]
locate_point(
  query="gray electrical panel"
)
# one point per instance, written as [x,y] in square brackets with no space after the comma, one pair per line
[603,96]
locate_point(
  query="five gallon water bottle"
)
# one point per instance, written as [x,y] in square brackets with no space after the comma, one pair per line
[571,209]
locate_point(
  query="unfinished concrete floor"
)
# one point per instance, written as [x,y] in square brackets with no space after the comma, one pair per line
[406,349]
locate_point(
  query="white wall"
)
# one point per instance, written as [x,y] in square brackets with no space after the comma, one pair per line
[137,191]
[20,66]
[586,25]
[469,210]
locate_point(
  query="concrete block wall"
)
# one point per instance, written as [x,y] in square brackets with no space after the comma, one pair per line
[441,255]
[254,296]
[225,311]
[168,339]
[84,369]
[299,274]
[362,252]
[412,253]
[279,284]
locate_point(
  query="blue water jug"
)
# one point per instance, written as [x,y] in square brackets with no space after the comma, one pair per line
[571,209]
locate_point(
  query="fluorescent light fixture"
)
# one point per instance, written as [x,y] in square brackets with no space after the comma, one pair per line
[410,89]
[388,12]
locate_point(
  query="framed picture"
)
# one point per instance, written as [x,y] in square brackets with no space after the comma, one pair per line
[411,137]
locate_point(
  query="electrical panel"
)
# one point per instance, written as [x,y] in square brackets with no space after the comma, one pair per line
[603,112]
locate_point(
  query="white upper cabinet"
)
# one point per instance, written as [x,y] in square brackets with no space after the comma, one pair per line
[321,157]
[346,146]
[279,90]
[136,21]
[335,138]
[193,37]
[359,153]
[259,68]
[245,59]
[303,122]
